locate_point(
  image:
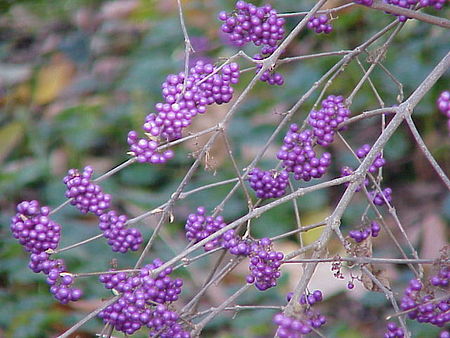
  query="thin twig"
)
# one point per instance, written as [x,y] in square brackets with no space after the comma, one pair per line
[88,317]
[385,7]
[423,147]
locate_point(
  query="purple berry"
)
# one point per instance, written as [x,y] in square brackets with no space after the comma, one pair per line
[144,301]
[33,228]
[268,184]
[199,226]
[320,24]
[84,194]
[325,121]
[299,157]
[120,238]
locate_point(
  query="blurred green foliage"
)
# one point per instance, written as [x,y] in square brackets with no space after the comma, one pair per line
[89,73]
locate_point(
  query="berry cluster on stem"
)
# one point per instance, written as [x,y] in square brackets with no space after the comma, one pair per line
[120,238]
[259,25]
[320,24]
[85,195]
[423,301]
[144,301]
[268,184]
[361,235]
[199,226]
[185,96]
[302,322]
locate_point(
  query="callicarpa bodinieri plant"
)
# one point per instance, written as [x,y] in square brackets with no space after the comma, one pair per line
[305,145]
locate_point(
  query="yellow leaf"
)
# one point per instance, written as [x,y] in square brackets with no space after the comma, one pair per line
[52,79]
[10,135]
[312,218]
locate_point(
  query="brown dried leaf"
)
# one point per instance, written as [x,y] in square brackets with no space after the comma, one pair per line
[379,274]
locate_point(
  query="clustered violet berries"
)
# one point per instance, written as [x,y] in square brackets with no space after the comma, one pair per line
[299,156]
[259,25]
[120,238]
[325,121]
[184,98]
[264,264]
[33,227]
[320,24]
[38,233]
[84,194]
[360,235]
[393,331]
[420,300]
[264,261]
[376,164]
[297,153]
[144,301]
[248,23]
[410,4]
[199,226]
[380,198]
[302,322]
[268,184]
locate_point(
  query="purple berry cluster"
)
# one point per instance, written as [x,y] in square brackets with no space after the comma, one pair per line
[264,261]
[437,4]
[235,244]
[143,302]
[34,229]
[58,278]
[377,163]
[299,157]
[38,233]
[271,77]
[120,238]
[403,4]
[325,121]
[268,184]
[377,197]
[443,104]
[304,322]
[320,24]
[364,2]
[260,25]
[393,331]
[248,23]
[61,286]
[198,227]
[145,149]
[360,235]
[184,98]
[264,264]
[419,299]
[84,194]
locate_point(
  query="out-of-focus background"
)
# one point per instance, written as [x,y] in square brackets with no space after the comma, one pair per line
[77,75]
